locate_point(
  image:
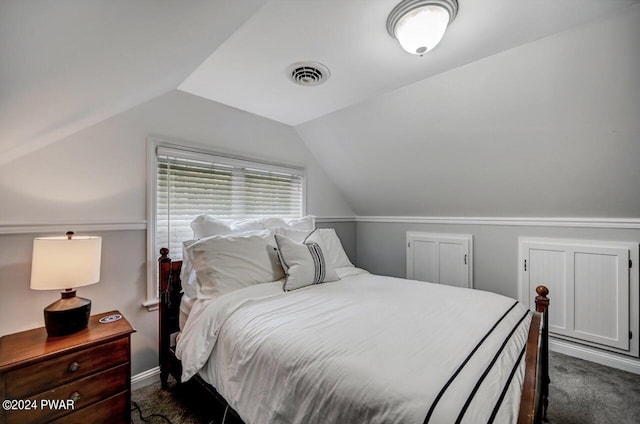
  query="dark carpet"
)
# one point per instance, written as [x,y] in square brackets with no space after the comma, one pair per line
[581,392]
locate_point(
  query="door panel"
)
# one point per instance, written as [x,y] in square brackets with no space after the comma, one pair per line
[589,289]
[548,267]
[425,261]
[440,258]
[453,270]
[601,297]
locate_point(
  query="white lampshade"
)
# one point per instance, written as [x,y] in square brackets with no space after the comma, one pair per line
[65,263]
[419,25]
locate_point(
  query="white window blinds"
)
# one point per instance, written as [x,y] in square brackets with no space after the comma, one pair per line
[192,183]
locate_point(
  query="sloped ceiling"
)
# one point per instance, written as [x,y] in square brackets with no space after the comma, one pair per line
[68,64]
[548,129]
[248,71]
[526,108]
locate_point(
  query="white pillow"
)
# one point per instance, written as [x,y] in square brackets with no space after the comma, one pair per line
[247,225]
[187,274]
[304,263]
[305,223]
[207,226]
[272,223]
[227,263]
[334,250]
[328,240]
[293,234]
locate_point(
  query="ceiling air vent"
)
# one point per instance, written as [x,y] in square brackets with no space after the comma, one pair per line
[308,74]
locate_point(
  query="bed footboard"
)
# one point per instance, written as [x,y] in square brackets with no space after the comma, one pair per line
[535,388]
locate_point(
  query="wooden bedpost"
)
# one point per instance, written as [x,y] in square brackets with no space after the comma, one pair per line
[164,273]
[164,269]
[542,306]
[170,293]
[542,301]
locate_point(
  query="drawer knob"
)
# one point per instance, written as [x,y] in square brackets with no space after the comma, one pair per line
[75,397]
[74,366]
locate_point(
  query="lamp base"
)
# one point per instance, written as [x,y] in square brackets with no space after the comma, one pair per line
[68,315]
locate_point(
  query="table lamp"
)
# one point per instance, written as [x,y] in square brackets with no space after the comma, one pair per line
[66,263]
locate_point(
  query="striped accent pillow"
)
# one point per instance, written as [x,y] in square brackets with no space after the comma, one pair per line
[304,263]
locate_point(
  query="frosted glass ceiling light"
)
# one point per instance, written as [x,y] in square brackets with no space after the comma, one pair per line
[419,25]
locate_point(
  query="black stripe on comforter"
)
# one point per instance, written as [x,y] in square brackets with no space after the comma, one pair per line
[496,408]
[489,339]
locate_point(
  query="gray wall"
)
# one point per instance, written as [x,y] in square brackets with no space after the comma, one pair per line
[381,248]
[97,178]
[122,287]
[547,129]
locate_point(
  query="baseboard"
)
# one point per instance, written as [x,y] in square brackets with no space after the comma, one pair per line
[145,378]
[594,355]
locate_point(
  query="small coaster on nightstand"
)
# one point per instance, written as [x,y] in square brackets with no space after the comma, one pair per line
[109,318]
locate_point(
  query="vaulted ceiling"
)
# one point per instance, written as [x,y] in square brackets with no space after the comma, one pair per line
[514,93]
[248,71]
[68,64]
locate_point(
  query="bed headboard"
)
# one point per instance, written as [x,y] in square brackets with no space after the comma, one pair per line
[170,293]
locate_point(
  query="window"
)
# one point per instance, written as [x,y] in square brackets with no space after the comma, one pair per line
[186,183]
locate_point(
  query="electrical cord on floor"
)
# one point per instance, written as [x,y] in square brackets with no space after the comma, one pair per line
[135,407]
[224,418]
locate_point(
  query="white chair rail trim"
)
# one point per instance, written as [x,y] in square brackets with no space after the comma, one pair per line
[7,228]
[626,223]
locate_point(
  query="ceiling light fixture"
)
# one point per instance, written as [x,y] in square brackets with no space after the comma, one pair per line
[419,25]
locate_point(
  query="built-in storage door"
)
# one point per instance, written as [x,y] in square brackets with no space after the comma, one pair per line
[589,287]
[439,258]
[422,260]
[552,270]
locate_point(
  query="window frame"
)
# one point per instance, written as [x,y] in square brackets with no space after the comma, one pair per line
[193,150]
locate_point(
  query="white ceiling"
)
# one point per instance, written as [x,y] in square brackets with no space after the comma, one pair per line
[248,70]
[547,129]
[69,64]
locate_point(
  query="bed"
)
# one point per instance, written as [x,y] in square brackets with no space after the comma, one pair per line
[344,351]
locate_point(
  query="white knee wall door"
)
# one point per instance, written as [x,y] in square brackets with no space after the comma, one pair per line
[593,287]
[440,258]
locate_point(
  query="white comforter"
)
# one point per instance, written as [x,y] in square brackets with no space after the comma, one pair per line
[365,349]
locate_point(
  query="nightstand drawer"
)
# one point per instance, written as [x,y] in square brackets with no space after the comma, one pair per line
[48,374]
[86,391]
[114,410]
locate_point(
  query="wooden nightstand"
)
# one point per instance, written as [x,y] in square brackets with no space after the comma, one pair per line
[91,367]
